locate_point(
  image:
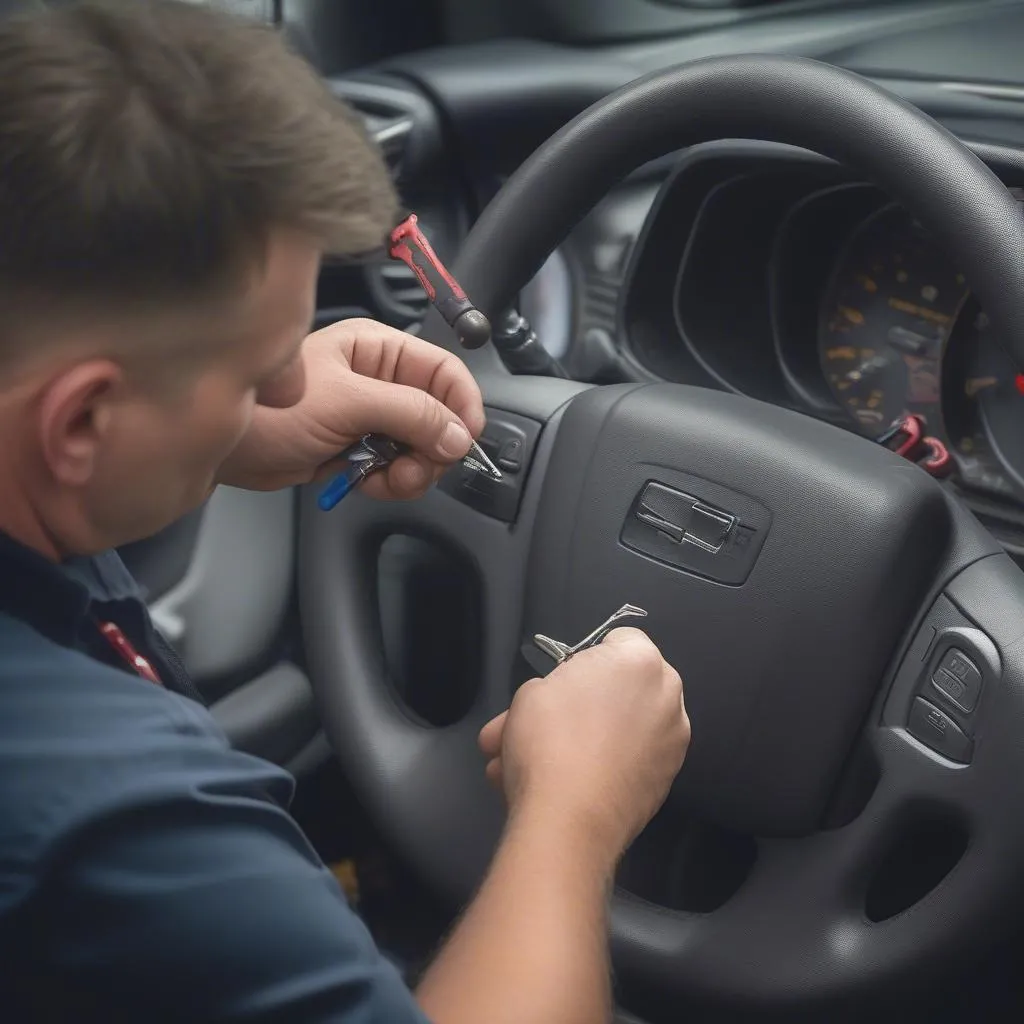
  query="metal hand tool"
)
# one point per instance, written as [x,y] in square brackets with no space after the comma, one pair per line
[563,652]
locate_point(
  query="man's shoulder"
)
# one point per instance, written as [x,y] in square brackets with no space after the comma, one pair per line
[54,693]
[81,741]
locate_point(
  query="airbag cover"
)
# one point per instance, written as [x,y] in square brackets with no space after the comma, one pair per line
[779,668]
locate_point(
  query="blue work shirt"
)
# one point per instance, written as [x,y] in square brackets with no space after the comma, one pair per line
[148,872]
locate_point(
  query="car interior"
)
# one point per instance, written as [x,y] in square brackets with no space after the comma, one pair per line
[753,275]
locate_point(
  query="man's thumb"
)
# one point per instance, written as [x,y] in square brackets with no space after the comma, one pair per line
[415,418]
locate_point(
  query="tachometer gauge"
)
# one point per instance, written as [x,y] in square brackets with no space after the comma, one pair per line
[887,313]
[983,400]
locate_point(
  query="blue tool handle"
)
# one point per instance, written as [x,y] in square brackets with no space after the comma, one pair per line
[344,482]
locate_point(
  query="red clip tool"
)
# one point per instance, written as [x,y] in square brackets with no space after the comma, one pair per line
[410,245]
[907,437]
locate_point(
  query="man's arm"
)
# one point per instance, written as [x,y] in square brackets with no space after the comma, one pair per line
[533,945]
[585,758]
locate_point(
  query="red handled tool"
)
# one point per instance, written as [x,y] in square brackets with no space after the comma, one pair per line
[907,437]
[938,461]
[410,245]
[904,437]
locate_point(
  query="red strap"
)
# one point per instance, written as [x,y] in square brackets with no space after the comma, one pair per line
[116,638]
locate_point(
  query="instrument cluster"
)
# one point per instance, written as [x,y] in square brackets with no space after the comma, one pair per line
[900,334]
[787,279]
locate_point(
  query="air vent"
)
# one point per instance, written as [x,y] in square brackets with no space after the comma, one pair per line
[391,134]
[389,125]
[397,294]
[403,122]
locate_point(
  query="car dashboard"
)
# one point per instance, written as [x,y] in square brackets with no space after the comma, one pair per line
[780,276]
[740,265]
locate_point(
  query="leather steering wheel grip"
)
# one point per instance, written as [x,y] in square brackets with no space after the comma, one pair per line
[795,932]
[789,100]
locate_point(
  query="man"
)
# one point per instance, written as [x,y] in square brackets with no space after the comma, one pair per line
[169,178]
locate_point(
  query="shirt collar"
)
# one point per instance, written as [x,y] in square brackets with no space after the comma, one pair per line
[55,598]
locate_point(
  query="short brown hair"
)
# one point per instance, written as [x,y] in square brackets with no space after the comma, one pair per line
[148,149]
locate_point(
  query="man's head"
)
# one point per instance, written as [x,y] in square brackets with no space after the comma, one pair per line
[169,178]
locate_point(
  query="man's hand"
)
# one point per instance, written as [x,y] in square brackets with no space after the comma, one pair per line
[585,757]
[597,742]
[364,377]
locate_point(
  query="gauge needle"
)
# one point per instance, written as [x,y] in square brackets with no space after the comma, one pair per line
[975,384]
[909,342]
[871,365]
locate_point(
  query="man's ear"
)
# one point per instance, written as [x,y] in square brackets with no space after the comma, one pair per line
[75,415]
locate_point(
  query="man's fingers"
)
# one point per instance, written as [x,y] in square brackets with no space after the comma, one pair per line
[491,734]
[383,353]
[409,476]
[412,417]
[627,635]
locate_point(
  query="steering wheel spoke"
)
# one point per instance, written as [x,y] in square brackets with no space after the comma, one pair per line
[920,874]
[843,910]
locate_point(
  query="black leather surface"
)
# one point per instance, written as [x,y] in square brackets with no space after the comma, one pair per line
[799,102]
[795,937]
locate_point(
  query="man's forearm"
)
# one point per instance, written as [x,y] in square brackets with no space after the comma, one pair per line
[533,945]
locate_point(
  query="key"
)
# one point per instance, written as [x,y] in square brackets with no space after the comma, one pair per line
[476,459]
[375,451]
[370,453]
[561,653]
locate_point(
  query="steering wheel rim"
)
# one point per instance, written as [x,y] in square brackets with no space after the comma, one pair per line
[778,943]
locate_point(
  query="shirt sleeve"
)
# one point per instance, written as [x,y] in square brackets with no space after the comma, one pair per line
[189,894]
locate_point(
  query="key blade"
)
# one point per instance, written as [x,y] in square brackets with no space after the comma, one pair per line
[478,461]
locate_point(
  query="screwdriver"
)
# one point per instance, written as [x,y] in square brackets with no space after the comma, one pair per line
[410,246]
[374,452]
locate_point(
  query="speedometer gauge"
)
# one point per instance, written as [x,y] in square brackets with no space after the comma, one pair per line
[887,313]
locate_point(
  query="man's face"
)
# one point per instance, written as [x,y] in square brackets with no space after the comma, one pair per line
[150,449]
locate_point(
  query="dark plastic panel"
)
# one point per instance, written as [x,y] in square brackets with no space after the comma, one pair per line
[509,441]
[272,716]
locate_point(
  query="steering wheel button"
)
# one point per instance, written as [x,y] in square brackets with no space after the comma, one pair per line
[935,729]
[957,678]
[510,455]
[957,664]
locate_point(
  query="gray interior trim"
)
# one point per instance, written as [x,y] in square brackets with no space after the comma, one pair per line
[235,592]
[317,752]
[273,716]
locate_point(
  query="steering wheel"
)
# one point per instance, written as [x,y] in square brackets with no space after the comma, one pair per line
[818,594]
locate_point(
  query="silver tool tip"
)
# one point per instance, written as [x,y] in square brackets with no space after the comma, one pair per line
[477,459]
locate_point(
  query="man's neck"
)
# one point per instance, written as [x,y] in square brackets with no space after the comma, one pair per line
[20,522]
[20,517]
